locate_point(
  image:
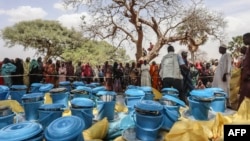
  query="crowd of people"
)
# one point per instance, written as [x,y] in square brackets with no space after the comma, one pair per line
[174,70]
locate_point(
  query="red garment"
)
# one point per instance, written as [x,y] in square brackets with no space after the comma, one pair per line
[1,78]
[154,72]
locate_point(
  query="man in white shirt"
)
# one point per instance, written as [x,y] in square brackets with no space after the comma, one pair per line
[170,71]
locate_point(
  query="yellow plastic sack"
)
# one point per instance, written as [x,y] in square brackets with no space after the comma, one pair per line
[234,87]
[66,112]
[120,108]
[119,139]
[97,131]
[157,94]
[243,113]
[188,130]
[218,125]
[47,99]
[15,106]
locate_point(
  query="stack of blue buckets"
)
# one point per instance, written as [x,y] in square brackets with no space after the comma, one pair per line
[148,120]
[132,96]
[106,105]
[201,102]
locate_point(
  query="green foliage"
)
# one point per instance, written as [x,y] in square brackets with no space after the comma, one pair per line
[235,45]
[50,38]
[96,53]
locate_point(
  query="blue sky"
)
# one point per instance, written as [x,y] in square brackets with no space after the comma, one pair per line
[236,13]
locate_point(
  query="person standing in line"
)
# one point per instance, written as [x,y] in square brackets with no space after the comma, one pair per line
[154,73]
[26,72]
[245,71]
[62,72]
[6,70]
[145,75]
[170,72]
[222,72]
[107,70]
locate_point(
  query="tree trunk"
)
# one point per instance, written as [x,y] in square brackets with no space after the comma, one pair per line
[139,47]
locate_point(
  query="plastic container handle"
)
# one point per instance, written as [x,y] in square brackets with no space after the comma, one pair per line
[87,114]
[43,120]
[147,129]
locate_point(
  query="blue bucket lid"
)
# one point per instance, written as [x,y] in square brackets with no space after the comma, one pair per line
[91,85]
[4,88]
[174,99]
[64,83]
[84,88]
[134,92]
[20,131]
[51,107]
[148,105]
[99,88]
[214,89]
[46,87]
[82,102]
[19,87]
[36,84]
[100,93]
[78,83]
[58,90]
[65,128]
[95,83]
[146,88]
[132,87]
[203,93]
[169,89]
[33,95]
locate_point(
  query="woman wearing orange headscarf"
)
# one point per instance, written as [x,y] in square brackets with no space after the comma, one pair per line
[154,72]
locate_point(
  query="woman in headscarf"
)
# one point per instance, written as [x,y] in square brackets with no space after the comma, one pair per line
[18,79]
[6,70]
[34,71]
[154,72]
[145,75]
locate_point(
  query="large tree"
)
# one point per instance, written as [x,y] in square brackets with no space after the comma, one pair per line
[49,38]
[136,22]
[96,53]
[201,25]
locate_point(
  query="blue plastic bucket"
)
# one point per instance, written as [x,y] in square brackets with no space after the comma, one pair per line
[82,91]
[23,131]
[6,120]
[219,104]
[199,109]
[105,109]
[17,92]
[4,92]
[65,84]
[34,88]
[170,115]
[97,89]
[83,108]
[149,120]
[148,92]
[49,112]
[170,91]
[45,88]
[60,96]
[130,101]
[75,84]
[68,128]
[31,103]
